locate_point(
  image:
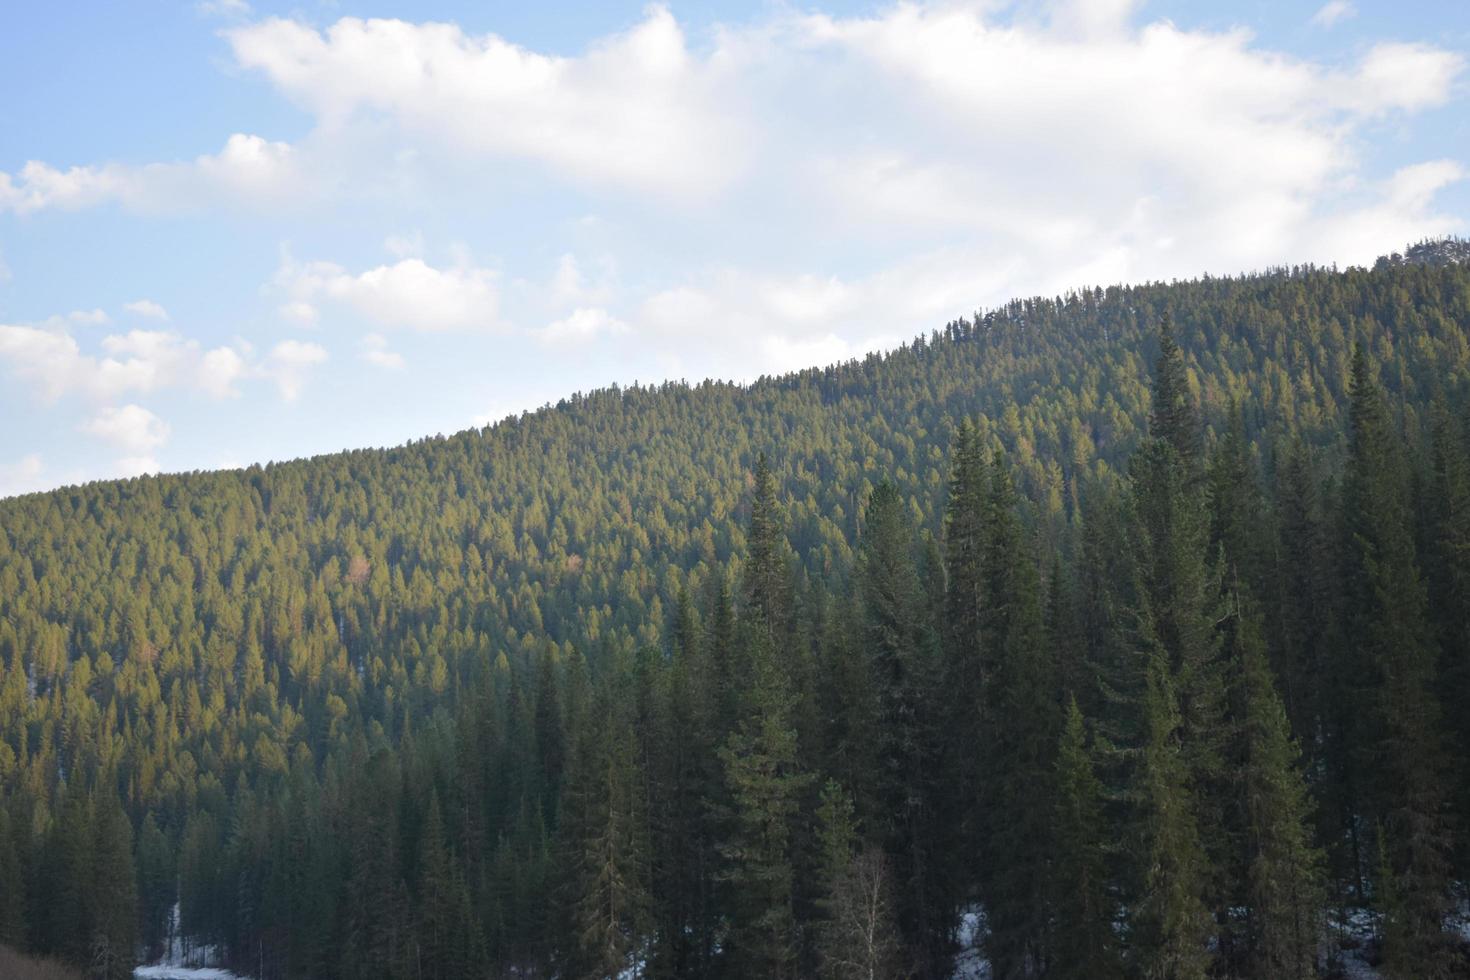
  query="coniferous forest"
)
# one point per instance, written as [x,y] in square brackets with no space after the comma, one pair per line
[1126,632]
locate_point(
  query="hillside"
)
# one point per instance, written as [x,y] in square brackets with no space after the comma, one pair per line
[593,686]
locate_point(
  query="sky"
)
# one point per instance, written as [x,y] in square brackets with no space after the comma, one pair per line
[234,232]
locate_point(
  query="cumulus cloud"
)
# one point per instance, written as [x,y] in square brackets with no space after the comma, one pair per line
[247,168]
[638,108]
[410,293]
[581,326]
[49,359]
[147,308]
[133,429]
[737,324]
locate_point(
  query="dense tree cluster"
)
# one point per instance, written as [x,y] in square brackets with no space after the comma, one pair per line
[1134,623]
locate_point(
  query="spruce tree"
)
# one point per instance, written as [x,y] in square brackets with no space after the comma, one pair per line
[1448,572]
[1084,945]
[1398,728]
[965,647]
[1020,737]
[113,896]
[856,937]
[1170,926]
[767,578]
[765,782]
[12,884]
[904,667]
[1172,417]
[1283,877]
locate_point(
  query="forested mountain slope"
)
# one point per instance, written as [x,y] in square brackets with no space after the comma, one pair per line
[591,687]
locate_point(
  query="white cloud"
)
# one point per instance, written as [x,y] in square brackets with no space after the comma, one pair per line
[218,371]
[89,318]
[1332,12]
[147,308]
[248,168]
[410,293]
[637,108]
[130,466]
[581,326]
[26,475]
[290,362]
[375,351]
[737,324]
[132,428]
[50,360]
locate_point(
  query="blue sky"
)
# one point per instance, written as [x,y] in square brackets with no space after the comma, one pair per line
[234,232]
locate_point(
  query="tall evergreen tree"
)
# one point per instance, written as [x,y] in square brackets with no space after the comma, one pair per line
[1398,730]
[1170,926]
[768,565]
[1021,730]
[904,666]
[1172,417]
[1084,944]
[857,937]
[607,844]
[1283,868]
[112,899]
[765,781]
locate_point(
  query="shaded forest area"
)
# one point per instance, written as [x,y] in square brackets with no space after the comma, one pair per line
[1137,619]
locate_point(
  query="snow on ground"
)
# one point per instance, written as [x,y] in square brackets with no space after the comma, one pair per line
[185,960]
[971,963]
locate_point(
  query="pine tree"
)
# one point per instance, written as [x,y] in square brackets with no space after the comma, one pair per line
[1398,732]
[12,885]
[1180,612]
[1020,732]
[1283,878]
[767,569]
[113,896]
[1172,417]
[905,673]
[765,782]
[965,654]
[608,840]
[437,902]
[1171,926]
[1084,944]
[550,734]
[857,937]
[1448,568]
[156,886]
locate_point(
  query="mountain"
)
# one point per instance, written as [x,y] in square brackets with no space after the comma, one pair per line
[690,676]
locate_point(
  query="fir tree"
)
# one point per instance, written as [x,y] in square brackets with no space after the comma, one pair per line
[1172,417]
[1171,927]
[900,647]
[1283,877]
[1398,733]
[112,898]
[765,782]
[767,568]
[1084,945]
[1021,731]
